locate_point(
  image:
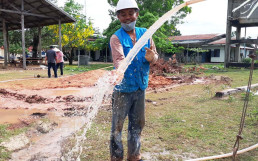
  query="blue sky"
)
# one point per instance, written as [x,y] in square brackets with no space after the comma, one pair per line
[207,17]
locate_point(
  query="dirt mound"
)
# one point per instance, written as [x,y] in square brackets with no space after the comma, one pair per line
[158,81]
[79,80]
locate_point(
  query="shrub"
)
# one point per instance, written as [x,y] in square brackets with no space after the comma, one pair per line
[247,60]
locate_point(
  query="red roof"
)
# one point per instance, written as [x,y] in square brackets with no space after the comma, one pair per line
[221,41]
[193,37]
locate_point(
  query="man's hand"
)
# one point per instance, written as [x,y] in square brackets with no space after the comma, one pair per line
[149,56]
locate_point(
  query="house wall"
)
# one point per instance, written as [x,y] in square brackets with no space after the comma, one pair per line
[219,59]
[1,52]
[245,52]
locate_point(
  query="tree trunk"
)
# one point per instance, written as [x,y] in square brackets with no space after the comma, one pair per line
[70,58]
[35,46]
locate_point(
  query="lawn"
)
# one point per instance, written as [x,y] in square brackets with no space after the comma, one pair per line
[187,122]
[181,123]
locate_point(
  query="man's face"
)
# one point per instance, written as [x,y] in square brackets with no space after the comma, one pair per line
[127,15]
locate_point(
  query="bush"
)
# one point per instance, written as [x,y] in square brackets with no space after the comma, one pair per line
[247,60]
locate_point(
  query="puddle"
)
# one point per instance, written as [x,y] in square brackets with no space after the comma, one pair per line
[49,145]
[12,116]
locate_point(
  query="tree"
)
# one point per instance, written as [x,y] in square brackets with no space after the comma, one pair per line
[150,11]
[74,35]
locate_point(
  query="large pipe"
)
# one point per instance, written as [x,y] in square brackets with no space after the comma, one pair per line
[225,155]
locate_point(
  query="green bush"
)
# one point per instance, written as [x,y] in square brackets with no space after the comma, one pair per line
[247,60]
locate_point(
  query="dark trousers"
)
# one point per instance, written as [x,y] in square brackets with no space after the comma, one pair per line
[131,105]
[61,65]
[51,65]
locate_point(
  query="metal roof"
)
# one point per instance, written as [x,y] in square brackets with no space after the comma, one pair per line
[200,37]
[196,40]
[36,13]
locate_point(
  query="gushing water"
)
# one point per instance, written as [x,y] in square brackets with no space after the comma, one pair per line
[104,88]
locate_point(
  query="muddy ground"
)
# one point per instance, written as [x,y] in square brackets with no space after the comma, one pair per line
[26,102]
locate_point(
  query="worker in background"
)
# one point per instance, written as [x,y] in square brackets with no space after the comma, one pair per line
[128,98]
[50,60]
[59,60]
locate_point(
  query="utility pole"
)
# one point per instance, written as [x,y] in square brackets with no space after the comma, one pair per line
[85,11]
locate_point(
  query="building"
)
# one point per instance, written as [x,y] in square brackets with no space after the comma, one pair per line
[211,47]
[240,14]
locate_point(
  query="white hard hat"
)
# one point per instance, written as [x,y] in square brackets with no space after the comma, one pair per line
[123,4]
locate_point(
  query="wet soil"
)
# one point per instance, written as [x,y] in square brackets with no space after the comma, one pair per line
[23,102]
[71,92]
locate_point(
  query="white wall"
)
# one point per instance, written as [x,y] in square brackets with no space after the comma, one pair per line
[2,52]
[245,52]
[222,53]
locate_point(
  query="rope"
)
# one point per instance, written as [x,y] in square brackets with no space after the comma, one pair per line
[242,122]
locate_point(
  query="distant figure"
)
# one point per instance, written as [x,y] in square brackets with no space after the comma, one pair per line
[43,54]
[13,59]
[59,60]
[51,59]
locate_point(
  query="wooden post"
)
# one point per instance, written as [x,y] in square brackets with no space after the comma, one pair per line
[23,35]
[238,37]
[39,45]
[89,55]
[5,43]
[8,45]
[60,35]
[186,61]
[106,54]
[79,53]
[228,34]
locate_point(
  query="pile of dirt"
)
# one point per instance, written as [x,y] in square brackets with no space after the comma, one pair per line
[85,79]
[158,81]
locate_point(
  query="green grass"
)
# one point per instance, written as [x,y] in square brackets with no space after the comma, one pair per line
[240,76]
[187,122]
[76,69]
[208,66]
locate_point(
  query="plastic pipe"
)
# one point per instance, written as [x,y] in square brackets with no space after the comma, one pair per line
[225,155]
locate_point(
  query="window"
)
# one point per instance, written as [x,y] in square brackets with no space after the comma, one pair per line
[216,53]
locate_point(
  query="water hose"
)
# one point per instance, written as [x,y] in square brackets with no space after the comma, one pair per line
[148,34]
[225,155]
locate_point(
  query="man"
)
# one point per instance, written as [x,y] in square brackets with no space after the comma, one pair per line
[59,60]
[129,96]
[51,59]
